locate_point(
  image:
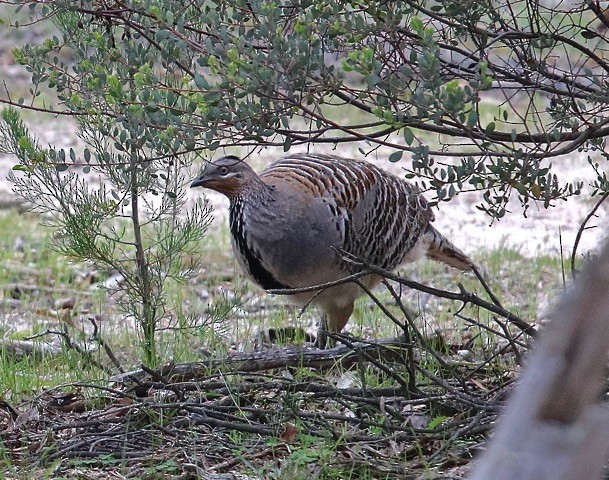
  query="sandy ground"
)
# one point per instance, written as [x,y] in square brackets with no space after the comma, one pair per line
[542,231]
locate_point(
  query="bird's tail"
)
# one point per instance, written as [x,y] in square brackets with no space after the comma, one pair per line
[442,250]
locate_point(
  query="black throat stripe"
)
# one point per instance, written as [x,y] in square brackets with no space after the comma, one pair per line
[261,275]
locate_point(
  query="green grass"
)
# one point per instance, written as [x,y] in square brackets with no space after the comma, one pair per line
[31,311]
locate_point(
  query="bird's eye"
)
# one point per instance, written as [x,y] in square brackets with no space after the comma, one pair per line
[223,170]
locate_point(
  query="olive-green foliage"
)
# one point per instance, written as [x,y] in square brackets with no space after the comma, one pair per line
[479,94]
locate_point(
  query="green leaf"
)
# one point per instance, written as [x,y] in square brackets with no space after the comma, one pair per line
[155,12]
[436,421]
[201,82]
[408,136]
[472,119]
[287,143]
[396,156]
[416,24]
[162,35]
[589,34]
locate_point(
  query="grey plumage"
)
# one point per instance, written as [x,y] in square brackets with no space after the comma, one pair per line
[289,222]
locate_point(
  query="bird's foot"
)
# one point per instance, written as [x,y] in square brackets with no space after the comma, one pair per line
[324,340]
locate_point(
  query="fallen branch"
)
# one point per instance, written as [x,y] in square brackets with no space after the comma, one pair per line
[345,356]
[70,344]
[22,348]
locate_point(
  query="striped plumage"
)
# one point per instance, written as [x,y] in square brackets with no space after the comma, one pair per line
[289,222]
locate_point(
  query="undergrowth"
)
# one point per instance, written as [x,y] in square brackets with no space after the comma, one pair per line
[396,411]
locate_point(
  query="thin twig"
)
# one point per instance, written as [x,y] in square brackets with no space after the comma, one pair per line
[463,296]
[581,229]
[71,345]
[102,343]
[321,286]
[487,289]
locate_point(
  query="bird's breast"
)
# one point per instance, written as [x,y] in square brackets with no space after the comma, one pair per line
[250,253]
[286,243]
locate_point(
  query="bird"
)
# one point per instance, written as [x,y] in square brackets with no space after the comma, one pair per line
[294,225]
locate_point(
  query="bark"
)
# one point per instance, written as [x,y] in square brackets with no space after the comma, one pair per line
[388,349]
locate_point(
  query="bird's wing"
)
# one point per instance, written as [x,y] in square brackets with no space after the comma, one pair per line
[380,216]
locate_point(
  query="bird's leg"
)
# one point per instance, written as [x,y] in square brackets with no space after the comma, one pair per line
[322,341]
[333,320]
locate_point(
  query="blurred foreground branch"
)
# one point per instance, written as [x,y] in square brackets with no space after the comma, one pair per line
[554,426]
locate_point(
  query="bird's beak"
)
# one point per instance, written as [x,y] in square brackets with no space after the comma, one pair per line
[198,182]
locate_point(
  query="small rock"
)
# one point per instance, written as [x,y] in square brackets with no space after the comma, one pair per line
[113,282]
[465,354]
[347,380]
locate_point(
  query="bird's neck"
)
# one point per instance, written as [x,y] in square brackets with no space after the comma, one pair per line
[253,190]
[254,196]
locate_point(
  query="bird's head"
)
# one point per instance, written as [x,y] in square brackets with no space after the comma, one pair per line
[227,175]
